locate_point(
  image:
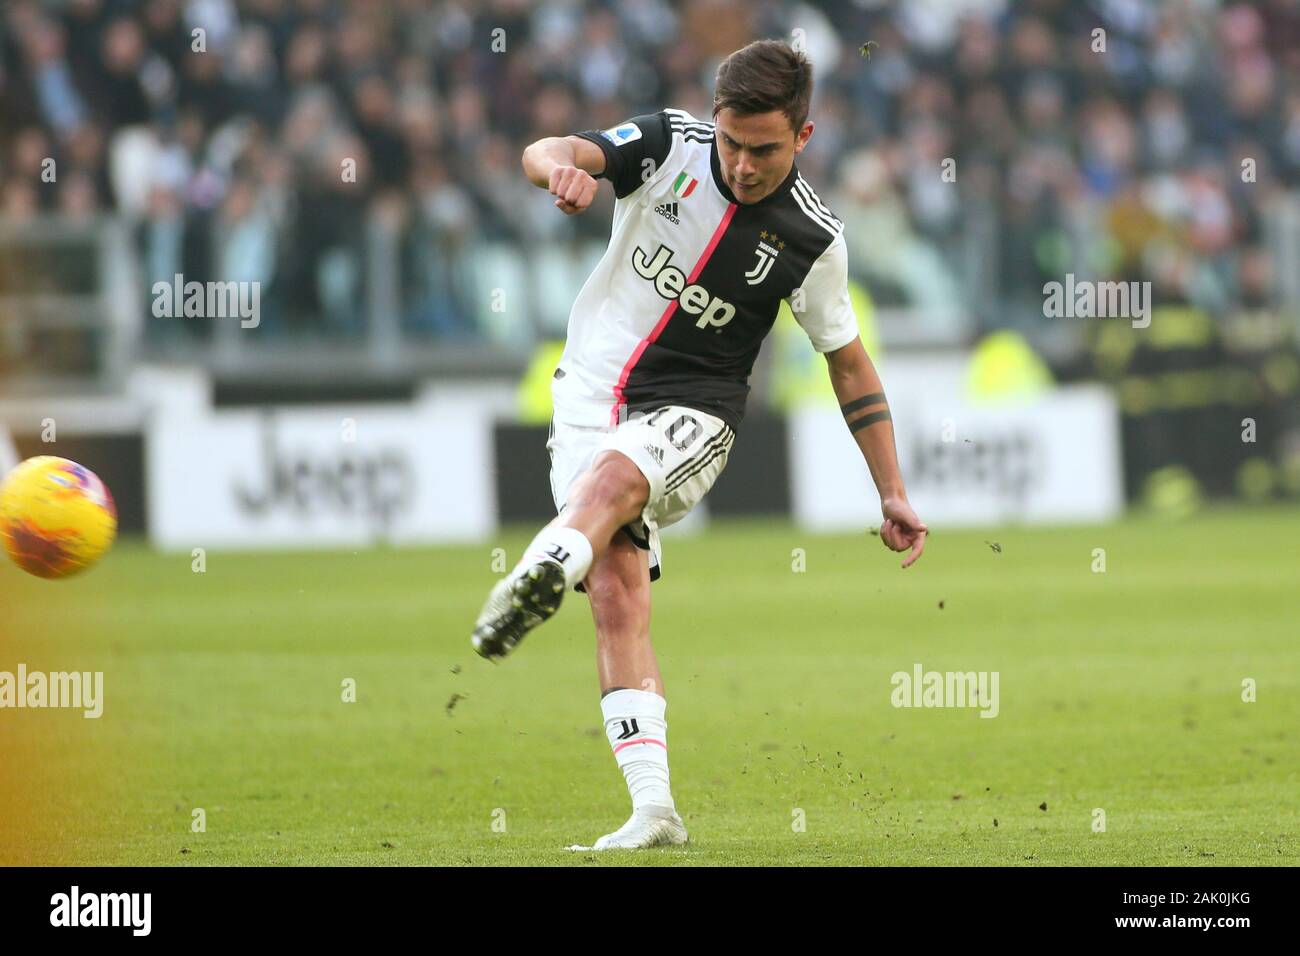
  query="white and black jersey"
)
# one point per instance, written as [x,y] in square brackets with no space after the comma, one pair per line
[692,280]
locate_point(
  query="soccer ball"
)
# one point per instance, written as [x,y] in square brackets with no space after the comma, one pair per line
[56,517]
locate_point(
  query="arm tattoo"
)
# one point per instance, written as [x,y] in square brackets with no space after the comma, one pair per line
[865,420]
[875,398]
[866,401]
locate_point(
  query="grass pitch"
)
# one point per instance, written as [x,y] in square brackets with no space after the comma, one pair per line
[1120,694]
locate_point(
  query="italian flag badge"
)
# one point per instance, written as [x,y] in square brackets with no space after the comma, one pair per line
[684,185]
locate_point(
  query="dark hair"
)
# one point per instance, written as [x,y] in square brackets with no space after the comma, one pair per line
[767,75]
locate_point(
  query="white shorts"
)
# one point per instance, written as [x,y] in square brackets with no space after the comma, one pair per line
[681,451]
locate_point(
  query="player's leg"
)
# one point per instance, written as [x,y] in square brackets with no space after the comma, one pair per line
[632,695]
[681,452]
[612,492]
[618,587]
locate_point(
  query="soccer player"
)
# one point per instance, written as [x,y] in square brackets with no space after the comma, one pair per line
[713,228]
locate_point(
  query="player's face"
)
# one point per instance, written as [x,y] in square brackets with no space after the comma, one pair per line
[757,151]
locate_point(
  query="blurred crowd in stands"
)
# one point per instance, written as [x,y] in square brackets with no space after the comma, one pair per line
[224,129]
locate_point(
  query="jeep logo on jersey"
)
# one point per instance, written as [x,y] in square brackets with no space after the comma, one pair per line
[766,256]
[670,282]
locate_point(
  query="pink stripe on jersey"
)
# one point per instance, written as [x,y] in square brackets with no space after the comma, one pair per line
[647,740]
[619,398]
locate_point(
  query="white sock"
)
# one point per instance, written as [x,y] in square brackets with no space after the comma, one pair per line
[638,735]
[567,545]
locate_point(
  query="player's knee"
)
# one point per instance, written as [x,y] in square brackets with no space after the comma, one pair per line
[607,582]
[616,483]
[617,605]
[617,590]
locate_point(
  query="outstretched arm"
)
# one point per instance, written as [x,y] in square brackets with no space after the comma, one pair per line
[862,400]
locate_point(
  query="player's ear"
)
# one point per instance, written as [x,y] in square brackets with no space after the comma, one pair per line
[801,138]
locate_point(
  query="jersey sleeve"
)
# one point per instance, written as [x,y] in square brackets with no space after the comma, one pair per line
[827,314]
[633,150]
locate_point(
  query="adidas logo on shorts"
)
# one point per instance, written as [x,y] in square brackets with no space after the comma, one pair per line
[669,211]
[656,453]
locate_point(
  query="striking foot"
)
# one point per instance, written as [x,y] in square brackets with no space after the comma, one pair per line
[517,604]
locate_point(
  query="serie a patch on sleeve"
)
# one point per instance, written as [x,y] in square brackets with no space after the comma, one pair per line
[618,135]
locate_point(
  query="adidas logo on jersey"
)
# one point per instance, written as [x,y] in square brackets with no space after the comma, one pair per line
[670,282]
[656,453]
[669,211]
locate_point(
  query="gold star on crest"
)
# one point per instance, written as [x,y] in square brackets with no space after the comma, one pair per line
[781,245]
[763,234]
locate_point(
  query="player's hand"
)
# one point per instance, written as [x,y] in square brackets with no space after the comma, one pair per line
[902,529]
[574,188]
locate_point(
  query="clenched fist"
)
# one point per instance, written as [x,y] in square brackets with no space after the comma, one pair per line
[573,187]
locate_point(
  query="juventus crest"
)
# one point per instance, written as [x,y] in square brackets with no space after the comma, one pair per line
[767,252]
